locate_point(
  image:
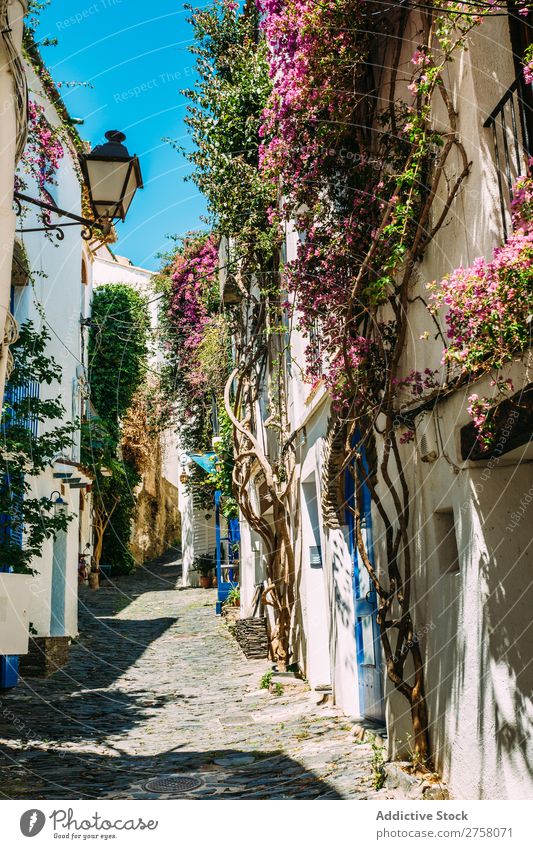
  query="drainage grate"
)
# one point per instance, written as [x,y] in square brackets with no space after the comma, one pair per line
[172,784]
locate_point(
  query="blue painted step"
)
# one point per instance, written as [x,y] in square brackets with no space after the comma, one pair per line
[9,671]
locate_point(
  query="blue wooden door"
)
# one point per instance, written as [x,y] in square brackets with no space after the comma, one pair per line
[227,573]
[368,646]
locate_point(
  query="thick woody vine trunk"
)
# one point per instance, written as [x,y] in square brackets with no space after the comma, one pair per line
[434,172]
[101,520]
[393,585]
[269,513]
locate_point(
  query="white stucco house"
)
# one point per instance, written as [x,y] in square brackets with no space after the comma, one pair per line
[51,287]
[14,597]
[473,578]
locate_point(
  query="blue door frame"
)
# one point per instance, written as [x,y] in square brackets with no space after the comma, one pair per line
[226,581]
[367,640]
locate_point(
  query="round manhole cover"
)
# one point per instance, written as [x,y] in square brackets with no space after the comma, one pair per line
[172,784]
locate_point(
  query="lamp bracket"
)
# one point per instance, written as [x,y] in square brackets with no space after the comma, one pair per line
[75,220]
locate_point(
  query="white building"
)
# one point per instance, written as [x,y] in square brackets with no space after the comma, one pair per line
[14,596]
[473,576]
[13,128]
[52,288]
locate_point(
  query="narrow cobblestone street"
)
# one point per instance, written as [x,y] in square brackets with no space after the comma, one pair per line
[156,686]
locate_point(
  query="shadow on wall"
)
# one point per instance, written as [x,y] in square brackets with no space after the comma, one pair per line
[480,657]
[342,628]
[508,634]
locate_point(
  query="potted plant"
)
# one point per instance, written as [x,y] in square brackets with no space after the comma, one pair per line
[233,598]
[204,564]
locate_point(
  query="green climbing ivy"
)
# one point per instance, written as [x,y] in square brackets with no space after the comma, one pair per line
[118,351]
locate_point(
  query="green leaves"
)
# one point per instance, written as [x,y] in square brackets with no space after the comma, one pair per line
[118,348]
[224,117]
[25,451]
[118,351]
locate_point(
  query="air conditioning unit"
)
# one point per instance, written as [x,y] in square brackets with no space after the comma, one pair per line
[426,437]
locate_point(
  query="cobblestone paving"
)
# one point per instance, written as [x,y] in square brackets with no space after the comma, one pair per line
[156,686]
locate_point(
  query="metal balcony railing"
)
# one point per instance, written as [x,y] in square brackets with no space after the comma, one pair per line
[511,121]
[22,414]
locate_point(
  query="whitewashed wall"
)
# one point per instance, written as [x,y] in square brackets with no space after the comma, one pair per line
[471,577]
[11,130]
[473,567]
[57,293]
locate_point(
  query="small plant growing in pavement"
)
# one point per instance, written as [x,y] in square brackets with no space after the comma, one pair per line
[264,683]
[276,689]
[378,773]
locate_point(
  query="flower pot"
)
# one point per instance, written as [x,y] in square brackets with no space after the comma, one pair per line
[94,580]
[205,582]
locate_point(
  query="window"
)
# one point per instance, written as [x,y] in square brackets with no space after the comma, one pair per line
[511,120]
[446,550]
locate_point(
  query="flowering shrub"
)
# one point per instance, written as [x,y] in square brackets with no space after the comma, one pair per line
[197,367]
[192,293]
[359,197]
[490,309]
[44,150]
[490,303]
[528,66]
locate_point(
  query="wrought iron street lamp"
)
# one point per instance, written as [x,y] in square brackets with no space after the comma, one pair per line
[112,177]
[58,503]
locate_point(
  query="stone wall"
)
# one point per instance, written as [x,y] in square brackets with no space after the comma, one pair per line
[45,656]
[157,522]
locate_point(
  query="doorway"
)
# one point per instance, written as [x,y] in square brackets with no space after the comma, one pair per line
[367,641]
[59,580]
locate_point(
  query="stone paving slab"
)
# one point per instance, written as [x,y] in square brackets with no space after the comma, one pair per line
[157,687]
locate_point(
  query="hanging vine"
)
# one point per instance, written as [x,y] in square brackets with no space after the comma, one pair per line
[369,175]
[225,117]
[353,155]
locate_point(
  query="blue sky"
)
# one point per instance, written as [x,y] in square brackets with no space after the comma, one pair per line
[135,55]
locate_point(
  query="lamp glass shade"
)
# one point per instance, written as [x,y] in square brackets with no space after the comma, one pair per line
[131,187]
[112,177]
[106,185]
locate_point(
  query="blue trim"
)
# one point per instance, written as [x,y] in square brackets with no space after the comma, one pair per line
[366,606]
[224,587]
[9,671]
[356,590]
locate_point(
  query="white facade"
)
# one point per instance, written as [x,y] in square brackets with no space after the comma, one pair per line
[13,127]
[198,532]
[57,295]
[474,573]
